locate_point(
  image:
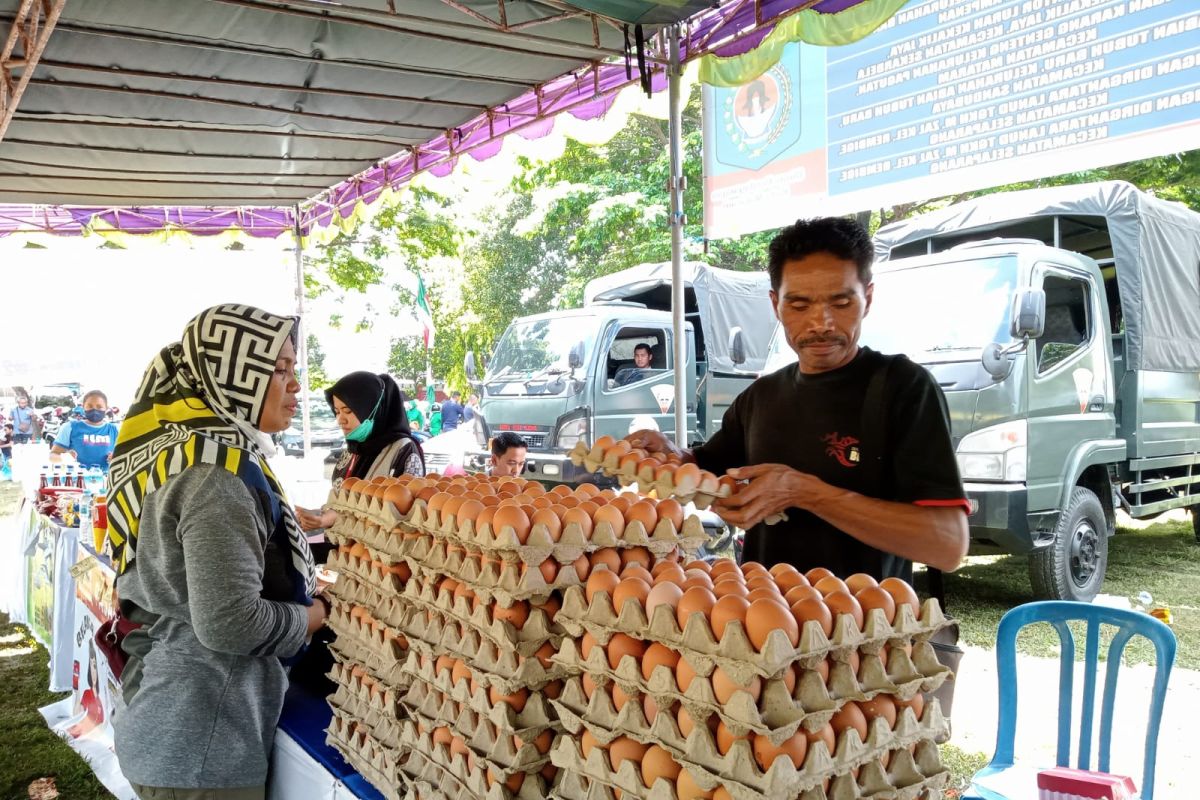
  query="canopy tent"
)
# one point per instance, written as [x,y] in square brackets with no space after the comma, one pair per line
[210,115]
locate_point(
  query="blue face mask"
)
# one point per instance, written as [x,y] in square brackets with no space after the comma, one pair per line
[94,415]
[365,427]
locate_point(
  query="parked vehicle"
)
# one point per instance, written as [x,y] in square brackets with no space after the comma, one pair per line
[565,376]
[1063,326]
[323,428]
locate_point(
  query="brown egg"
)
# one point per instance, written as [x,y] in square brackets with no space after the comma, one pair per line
[813,609]
[643,512]
[549,518]
[793,748]
[726,738]
[630,460]
[658,763]
[763,593]
[684,675]
[696,577]
[512,782]
[663,594]
[824,734]
[582,567]
[696,600]
[917,704]
[589,685]
[541,503]
[351,484]
[589,507]
[724,686]
[607,556]
[623,749]
[619,696]
[586,490]
[637,571]
[635,556]
[647,468]
[549,570]
[658,655]
[902,593]
[577,516]
[831,584]
[516,700]
[842,603]
[517,614]
[534,488]
[727,609]
[548,773]
[622,502]
[721,793]
[764,616]
[515,518]
[399,496]
[686,788]
[751,568]
[788,577]
[859,581]
[541,742]
[544,654]
[850,716]
[670,573]
[442,735]
[562,490]
[486,516]
[631,588]
[621,645]
[687,724]
[568,502]
[553,689]
[550,607]
[662,565]
[876,597]
[671,511]
[881,705]
[649,708]
[687,478]
[729,586]
[601,580]
[816,574]
[798,593]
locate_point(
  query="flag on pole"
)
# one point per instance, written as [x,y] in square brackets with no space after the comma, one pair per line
[424,315]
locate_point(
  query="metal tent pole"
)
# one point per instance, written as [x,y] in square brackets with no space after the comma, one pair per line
[302,339]
[677,185]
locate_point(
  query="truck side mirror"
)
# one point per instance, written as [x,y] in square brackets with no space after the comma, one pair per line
[575,357]
[1028,314]
[737,346]
[469,366]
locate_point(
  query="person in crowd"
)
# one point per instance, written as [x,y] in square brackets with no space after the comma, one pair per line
[453,412]
[22,419]
[89,440]
[211,560]
[379,443]
[508,455]
[801,439]
[472,408]
[641,363]
[416,420]
[435,419]
[6,443]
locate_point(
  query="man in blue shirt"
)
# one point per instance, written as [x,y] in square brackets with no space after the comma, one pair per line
[22,421]
[452,412]
[92,439]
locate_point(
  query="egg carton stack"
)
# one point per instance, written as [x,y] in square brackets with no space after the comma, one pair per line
[716,682]
[369,613]
[488,560]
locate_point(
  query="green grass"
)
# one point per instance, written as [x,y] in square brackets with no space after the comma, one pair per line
[30,749]
[10,495]
[962,766]
[1162,559]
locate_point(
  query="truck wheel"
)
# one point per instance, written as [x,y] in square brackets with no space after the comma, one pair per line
[1073,566]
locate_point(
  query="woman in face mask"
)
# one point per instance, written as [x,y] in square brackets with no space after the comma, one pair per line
[90,440]
[370,411]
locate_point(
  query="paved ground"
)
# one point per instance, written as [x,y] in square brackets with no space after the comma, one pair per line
[975,711]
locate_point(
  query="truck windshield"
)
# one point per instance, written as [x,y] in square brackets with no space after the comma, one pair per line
[934,313]
[942,312]
[532,357]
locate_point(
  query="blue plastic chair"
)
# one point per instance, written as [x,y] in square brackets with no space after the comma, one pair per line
[1058,614]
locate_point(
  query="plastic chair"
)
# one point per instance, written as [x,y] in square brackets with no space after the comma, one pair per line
[1058,613]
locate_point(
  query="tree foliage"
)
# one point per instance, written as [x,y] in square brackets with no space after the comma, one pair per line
[317,377]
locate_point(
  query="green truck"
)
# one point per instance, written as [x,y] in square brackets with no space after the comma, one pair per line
[1063,325]
[563,376]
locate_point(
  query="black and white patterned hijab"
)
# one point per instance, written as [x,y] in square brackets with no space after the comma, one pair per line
[200,402]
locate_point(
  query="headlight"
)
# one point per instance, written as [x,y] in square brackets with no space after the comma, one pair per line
[998,453]
[572,429]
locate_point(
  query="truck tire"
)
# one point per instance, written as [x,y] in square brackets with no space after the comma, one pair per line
[1073,566]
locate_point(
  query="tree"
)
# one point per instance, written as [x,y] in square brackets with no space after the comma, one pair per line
[317,378]
[407,359]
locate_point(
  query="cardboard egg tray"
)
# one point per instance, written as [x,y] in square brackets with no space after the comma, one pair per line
[435,695]
[356,698]
[571,544]
[505,582]
[734,653]
[501,667]
[382,646]
[445,613]
[440,775]
[385,544]
[374,760]
[737,770]
[913,777]
[365,570]
[358,506]
[496,749]
[777,713]
[593,459]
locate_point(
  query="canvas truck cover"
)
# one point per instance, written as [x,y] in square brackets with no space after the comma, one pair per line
[724,299]
[1155,245]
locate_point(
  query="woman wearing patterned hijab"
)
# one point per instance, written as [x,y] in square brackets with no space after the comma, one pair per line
[211,560]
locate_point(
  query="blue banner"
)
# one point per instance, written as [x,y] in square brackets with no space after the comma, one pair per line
[951,96]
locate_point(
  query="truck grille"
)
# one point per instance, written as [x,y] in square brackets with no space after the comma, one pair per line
[536,441]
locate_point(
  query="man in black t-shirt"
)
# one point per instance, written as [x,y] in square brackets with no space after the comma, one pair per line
[864,489]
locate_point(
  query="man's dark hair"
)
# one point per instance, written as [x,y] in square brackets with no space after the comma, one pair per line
[503,442]
[642,346]
[94,393]
[839,236]
[455,394]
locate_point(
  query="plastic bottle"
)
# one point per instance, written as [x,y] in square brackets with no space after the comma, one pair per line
[45,477]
